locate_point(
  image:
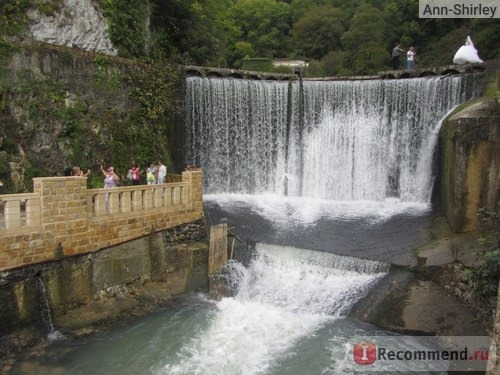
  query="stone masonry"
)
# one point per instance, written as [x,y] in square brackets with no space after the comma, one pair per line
[68,227]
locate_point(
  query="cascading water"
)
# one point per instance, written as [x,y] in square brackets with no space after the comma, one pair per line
[340,151]
[283,297]
[340,140]
[288,308]
[45,313]
[237,132]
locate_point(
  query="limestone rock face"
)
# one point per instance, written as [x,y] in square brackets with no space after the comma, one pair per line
[79,23]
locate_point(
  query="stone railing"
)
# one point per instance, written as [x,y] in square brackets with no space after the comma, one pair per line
[63,218]
[20,211]
[137,198]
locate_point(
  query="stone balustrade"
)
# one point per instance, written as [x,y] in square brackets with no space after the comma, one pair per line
[20,211]
[63,218]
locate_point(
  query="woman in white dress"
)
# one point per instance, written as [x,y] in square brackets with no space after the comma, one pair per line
[467,53]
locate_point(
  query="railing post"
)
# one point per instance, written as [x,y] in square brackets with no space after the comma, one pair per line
[137,200]
[176,195]
[12,213]
[125,201]
[100,205]
[113,202]
[148,199]
[167,197]
[156,197]
[33,214]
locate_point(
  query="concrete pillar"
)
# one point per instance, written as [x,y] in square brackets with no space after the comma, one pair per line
[217,253]
[195,193]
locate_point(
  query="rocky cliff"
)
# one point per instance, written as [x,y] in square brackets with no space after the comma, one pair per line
[73,23]
[60,107]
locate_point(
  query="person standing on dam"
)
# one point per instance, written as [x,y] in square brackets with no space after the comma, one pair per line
[396,56]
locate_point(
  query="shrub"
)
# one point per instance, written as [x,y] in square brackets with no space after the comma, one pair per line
[484,276]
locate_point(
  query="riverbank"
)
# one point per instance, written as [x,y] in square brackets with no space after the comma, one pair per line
[409,303]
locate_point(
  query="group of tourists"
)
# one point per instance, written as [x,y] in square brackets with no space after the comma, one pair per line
[155,173]
[397,52]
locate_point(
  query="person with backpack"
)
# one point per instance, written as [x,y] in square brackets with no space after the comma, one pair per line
[151,174]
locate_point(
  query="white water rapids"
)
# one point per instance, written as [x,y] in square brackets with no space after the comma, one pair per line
[283,297]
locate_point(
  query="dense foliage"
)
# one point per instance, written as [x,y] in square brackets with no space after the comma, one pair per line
[335,36]
[485,275]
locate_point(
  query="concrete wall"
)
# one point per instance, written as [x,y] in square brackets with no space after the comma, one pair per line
[72,220]
[72,285]
[218,248]
[470,163]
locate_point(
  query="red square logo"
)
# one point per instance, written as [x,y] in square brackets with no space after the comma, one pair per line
[365,353]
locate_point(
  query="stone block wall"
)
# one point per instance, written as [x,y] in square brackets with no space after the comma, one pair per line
[70,226]
[79,282]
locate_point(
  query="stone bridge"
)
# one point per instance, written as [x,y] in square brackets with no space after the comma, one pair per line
[433,71]
[391,74]
[200,71]
[63,218]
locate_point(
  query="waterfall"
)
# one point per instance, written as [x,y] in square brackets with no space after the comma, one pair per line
[284,296]
[334,140]
[45,313]
[236,131]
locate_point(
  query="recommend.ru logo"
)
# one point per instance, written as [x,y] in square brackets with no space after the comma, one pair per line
[421,353]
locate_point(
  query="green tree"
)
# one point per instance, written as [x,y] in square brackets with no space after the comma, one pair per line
[364,41]
[189,31]
[318,32]
[264,24]
[127,25]
[485,34]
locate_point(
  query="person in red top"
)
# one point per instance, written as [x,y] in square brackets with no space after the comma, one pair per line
[135,174]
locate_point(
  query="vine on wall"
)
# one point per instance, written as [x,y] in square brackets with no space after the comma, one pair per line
[111,111]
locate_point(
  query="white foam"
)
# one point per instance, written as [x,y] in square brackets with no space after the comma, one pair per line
[280,301]
[285,210]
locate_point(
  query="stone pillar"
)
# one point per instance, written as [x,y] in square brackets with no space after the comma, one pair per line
[12,214]
[65,213]
[217,253]
[195,189]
